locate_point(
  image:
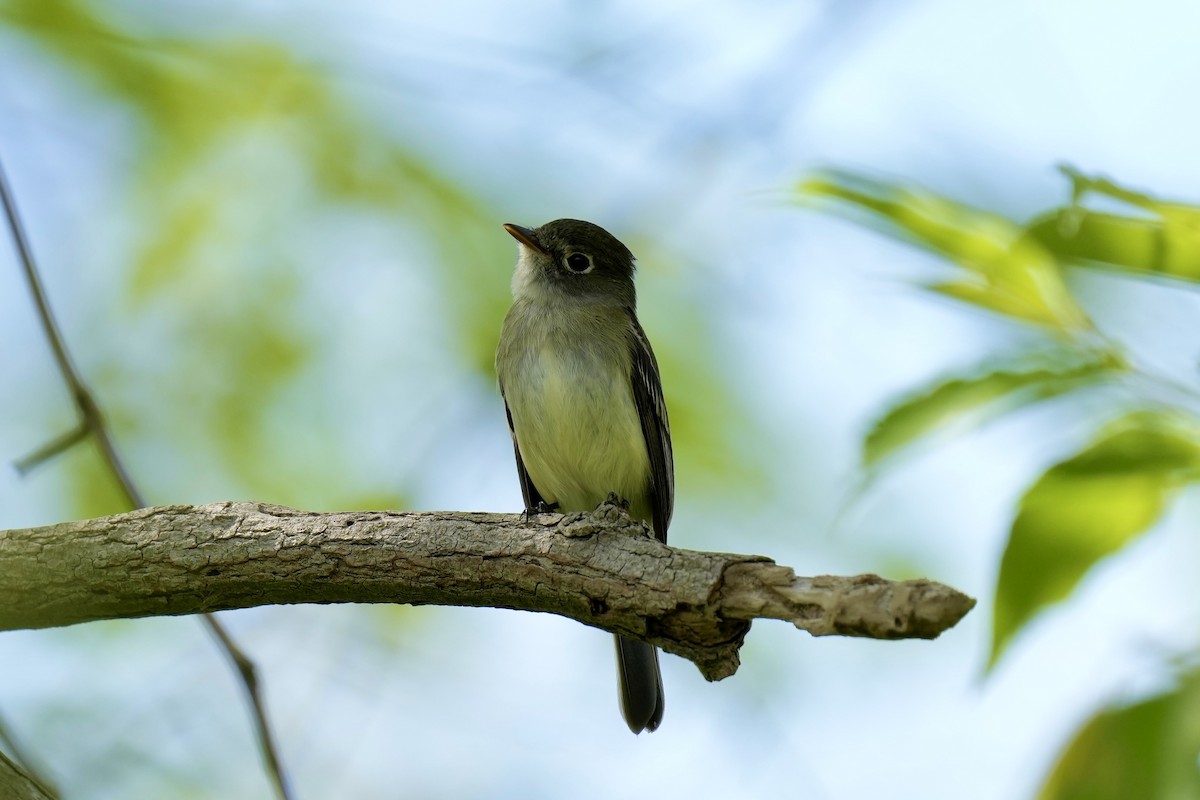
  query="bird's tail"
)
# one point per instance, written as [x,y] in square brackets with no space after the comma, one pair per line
[640,684]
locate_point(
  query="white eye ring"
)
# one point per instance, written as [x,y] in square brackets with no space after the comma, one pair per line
[579,263]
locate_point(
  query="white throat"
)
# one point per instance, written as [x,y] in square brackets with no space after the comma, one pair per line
[528,283]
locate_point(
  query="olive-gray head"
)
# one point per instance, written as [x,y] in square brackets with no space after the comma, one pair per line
[570,258]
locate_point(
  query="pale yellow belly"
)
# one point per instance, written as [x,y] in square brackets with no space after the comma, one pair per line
[579,434]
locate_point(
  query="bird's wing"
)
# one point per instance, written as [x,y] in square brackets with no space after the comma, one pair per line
[533,499]
[652,409]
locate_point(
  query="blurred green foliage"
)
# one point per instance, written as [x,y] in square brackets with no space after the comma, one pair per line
[997,389]
[1163,241]
[1002,269]
[1097,501]
[1087,507]
[238,146]
[1144,750]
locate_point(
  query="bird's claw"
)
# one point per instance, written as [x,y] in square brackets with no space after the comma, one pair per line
[542,507]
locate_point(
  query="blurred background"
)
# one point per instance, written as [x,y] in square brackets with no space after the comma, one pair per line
[271,234]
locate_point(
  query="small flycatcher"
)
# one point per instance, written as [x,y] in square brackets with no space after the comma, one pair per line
[585,402]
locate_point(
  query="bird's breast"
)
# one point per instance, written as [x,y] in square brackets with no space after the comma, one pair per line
[576,423]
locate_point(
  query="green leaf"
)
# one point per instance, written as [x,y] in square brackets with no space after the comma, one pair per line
[1086,508]
[991,393]
[1163,239]
[1007,271]
[1163,247]
[1147,749]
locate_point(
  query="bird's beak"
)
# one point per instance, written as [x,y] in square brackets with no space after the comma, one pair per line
[525,236]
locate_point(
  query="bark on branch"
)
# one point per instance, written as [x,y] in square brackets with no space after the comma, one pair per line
[602,569]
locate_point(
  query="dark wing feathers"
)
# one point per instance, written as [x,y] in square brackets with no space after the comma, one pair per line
[652,409]
[533,500]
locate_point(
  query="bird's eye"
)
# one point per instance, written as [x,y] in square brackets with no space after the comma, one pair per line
[579,262]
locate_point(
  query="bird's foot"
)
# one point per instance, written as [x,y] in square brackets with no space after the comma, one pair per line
[542,507]
[614,500]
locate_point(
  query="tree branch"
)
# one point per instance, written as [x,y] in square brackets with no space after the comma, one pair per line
[602,569]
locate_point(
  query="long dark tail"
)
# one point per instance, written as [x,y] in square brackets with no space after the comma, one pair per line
[641,684]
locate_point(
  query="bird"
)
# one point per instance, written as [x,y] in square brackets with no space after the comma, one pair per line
[585,405]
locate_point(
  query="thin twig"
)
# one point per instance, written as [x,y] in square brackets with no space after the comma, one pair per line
[89,412]
[249,675]
[17,784]
[92,421]
[50,449]
[17,754]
